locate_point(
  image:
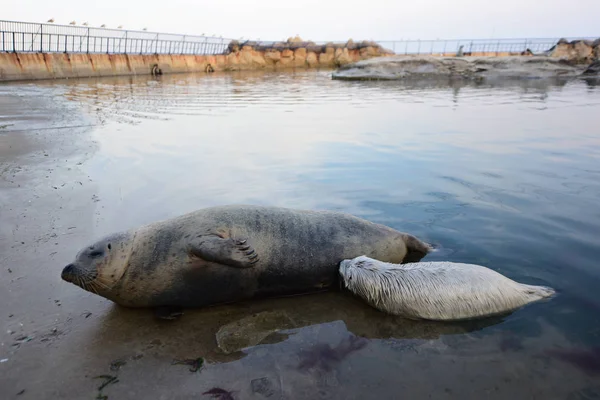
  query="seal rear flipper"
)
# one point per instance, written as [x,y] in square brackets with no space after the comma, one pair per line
[415,249]
[227,251]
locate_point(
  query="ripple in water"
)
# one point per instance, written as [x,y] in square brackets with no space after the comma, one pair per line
[505,176]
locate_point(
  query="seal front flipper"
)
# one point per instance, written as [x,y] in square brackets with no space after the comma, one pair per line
[228,251]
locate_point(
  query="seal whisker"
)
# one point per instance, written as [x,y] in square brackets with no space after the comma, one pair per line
[101,284]
[93,287]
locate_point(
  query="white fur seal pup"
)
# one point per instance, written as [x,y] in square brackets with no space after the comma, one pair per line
[436,290]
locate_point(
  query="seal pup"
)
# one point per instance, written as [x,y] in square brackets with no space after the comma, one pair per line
[226,254]
[441,291]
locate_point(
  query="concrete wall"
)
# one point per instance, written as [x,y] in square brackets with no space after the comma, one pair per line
[28,66]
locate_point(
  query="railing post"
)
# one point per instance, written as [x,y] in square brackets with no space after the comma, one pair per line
[66,41]
[87,47]
[41,40]
[126,42]
[14,43]
[156,45]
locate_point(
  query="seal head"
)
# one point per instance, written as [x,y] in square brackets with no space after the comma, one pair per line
[98,267]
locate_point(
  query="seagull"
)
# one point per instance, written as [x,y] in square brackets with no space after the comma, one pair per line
[120,27]
[72,23]
[51,20]
[103,26]
[85,24]
[145,29]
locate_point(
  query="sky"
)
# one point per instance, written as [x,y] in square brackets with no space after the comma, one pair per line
[321,20]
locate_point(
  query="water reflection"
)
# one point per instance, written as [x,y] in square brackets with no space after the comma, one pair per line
[504,175]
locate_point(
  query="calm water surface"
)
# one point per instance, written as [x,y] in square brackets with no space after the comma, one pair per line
[505,176]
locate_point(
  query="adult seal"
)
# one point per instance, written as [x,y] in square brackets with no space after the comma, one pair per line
[231,253]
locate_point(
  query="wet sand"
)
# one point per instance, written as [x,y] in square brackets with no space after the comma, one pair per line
[56,339]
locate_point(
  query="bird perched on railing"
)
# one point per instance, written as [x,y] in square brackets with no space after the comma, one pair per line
[51,20]
[103,26]
[85,24]
[120,27]
[72,23]
[145,29]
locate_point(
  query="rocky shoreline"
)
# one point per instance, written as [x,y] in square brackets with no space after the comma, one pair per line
[298,53]
[464,68]
[565,60]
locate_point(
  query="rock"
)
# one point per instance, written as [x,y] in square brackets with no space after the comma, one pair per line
[287,53]
[263,386]
[251,330]
[326,59]
[295,39]
[593,68]
[562,41]
[273,56]
[583,50]
[576,51]
[311,59]
[233,46]
[369,51]
[342,57]
[596,43]
[315,48]
[300,57]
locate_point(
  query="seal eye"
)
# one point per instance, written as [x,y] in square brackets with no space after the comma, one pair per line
[109,246]
[95,254]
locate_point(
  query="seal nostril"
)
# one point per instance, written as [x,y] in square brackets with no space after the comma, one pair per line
[67,272]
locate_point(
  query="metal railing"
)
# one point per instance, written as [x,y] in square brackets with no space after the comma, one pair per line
[51,38]
[473,46]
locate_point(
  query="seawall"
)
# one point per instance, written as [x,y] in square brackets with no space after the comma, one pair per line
[246,56]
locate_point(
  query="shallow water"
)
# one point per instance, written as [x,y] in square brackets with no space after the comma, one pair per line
[506,176]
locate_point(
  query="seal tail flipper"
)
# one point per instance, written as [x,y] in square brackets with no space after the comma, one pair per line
[415,249]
